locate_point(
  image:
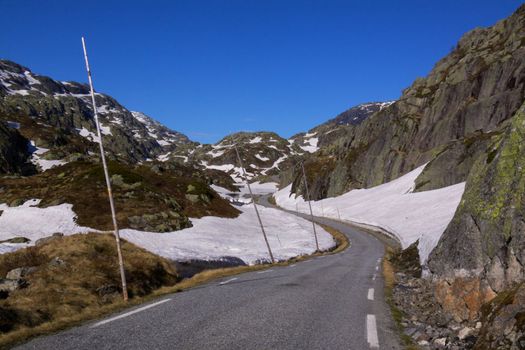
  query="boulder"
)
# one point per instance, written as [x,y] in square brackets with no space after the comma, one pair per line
[57,262]
[45,240]
[465,332]
[8,285]
[20,272]
[16,240]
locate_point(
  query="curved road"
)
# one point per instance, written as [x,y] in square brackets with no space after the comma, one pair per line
[328,302]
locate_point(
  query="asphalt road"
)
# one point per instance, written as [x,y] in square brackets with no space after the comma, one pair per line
[328,302]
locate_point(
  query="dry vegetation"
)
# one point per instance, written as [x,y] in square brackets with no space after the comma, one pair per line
[76,277]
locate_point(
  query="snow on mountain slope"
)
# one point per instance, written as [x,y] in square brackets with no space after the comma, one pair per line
[264,155]
[210,238]
[392,206]
[335,128]
[41,108]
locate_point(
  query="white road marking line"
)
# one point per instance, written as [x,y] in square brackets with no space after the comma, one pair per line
[371,331]
[374,277]
[371,294]
[228,281]
[377,268]
[129,313]
[292,265]
[265,271]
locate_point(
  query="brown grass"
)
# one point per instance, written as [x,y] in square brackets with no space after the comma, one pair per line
[59,294]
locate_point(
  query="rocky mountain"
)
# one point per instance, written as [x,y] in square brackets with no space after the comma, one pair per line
[447,118]
[357,114]
[264,155]
[58,118]
[332,130]
[47,134]
[465,121]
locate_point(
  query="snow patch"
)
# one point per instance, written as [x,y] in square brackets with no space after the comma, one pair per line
[215,153]
[88,134]
[256,139]
[32,222]
[44,164]
[210,238]
[311,146]
[163,143]
[391,206]
[264,159]
[164,157]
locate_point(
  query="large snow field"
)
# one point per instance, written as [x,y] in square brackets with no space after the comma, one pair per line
[210,238]
[392,207]
[213,238]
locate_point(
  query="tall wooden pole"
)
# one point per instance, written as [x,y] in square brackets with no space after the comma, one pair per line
[254,205]
[310,205]
[106,174]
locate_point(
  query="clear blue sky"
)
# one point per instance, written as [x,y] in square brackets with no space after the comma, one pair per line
[206,68]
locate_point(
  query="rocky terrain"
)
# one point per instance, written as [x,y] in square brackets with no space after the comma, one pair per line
[48,136]
[264,155]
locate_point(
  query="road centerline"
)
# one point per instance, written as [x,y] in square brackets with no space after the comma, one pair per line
[371,332]
[371,294]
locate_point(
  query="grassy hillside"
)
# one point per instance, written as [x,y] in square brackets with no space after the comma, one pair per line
[75,277]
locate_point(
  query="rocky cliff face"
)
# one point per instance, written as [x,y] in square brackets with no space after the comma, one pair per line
[445,118]
[14,152]
[485,242]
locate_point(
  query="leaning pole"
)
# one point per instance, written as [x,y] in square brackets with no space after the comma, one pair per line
[106,174]
[310,205]
[254,205]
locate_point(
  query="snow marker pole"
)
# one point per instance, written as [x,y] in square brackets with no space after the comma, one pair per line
[338,215]
[310,205]
[106,174]
[254,205]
